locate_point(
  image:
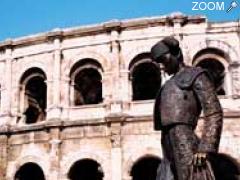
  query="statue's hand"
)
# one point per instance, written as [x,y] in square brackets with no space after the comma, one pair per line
[199,159]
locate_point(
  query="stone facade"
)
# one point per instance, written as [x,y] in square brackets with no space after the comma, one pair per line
[117,132]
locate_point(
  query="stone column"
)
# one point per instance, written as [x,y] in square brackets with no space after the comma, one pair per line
[126,91]
[115,64]
[116,101]
[8,79]
[71,93]
[228,82]
[22,103]
[55,143]
[65,101]
[130,88]
[116,151]
[107,86]
[7,87]
[3,156]
[55,108]
[178,19]
[57,72]
[235,71]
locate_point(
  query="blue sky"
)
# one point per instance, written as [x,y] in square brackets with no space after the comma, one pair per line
[25,17]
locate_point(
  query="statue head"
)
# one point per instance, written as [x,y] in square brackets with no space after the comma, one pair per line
[168,52]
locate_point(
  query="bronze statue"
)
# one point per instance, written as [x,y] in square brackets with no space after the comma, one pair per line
[177,108]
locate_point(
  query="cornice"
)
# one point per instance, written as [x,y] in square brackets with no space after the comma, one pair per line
[114,25]
[103,28]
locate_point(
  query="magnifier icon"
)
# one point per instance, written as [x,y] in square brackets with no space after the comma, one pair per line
[233,4]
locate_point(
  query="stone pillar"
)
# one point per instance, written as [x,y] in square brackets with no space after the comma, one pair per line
[57,72]
[115,49]
[130,88]
[22,101]
[235,71]
[126,91]
[178,19]
[8,79]
[65,101]
[107,87]
[116,101]
[228,82]
[5,117]
[71,93]
[54,111]
[3,156]
[116,151]
[55,143]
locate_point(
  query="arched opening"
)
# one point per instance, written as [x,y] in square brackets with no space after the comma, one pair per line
[145,169]
[145,76]
[34,95]
[211,60]
[86,82]
[29,171]
[86,169]
[217,72]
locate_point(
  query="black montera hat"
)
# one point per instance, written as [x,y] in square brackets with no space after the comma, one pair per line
[167,45]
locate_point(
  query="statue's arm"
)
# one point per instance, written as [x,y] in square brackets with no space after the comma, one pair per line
[213,115]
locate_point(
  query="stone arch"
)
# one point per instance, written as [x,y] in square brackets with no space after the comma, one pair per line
[29,171]
[33,95]
[136,156]
[229,51]
[31,65]
[213,58]
[145,77]
[86,82]
[85,63]
[214,53]
[132,53]
[86,169]
[71,158]
[17,82]
[35,72]
[138,60]
[145,168]
[43,164]
[81,55]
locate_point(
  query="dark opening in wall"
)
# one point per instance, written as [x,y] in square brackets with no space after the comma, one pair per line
[145,169]
[87,81]
[215,61]
[35,95]
[29,171]
[88,87]
[86,169]
[145,76]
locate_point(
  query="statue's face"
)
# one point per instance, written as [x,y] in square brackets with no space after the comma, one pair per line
[170,63]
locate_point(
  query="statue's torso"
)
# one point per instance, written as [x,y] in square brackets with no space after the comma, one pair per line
[176,104]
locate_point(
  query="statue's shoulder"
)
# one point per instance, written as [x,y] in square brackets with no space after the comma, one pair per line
[186,77]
